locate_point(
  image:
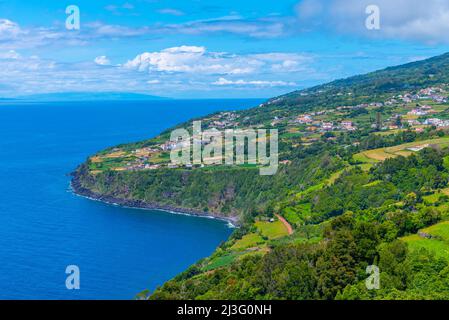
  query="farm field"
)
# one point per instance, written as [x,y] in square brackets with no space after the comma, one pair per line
[221,261]
[248,241]
[272,230]
[381,154]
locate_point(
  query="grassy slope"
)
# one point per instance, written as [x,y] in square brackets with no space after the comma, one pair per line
[438,242]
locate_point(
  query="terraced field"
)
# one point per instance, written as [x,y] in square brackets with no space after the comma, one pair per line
[407,149]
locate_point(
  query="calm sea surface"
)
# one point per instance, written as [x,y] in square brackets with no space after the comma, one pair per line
[44,227]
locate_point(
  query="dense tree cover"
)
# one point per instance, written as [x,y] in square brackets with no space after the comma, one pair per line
[393,180]
[405,275]
[367,220]
[333,269]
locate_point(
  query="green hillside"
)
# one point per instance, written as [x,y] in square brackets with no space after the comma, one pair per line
[364,170]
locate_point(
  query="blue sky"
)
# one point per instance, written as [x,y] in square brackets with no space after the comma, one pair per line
[208,49]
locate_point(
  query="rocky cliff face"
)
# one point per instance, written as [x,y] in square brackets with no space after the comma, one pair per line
[85,184]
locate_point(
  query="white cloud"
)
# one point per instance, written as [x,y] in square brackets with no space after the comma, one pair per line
[270,27]
[286,62]
[13,36]
[186,49]
[194,59]
[9,30]
[261,28]
[13,63]
[31,75]
[259,83]
[170,11]
[426,21]
[188,70]
[10,54]
[100,30]
[102,61]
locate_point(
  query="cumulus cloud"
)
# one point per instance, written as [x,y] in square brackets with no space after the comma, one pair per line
[426,21]
[259,83]
[194,59]
[102,61]
[191,59]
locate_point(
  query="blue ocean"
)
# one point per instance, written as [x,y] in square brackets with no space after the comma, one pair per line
[44,227]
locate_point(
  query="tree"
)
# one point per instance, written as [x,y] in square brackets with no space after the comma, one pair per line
[410,200]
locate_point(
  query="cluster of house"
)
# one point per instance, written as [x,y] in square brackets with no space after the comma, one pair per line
[170,145]
[361,106]
[421,111]
[315,125]
[433,93]
[436,122]
[348,126]
[138,165]
[142,156]
[144,151]
[224,120]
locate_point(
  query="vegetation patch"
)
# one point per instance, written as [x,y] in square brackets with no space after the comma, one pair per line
[434,239]
[221,261]
[248,241]
[272,230]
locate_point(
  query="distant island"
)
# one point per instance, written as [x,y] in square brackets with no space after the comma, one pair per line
[87,96]
[362,182]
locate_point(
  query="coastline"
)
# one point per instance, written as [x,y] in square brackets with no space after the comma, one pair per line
[79,190]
